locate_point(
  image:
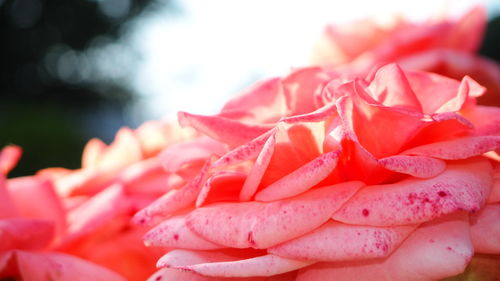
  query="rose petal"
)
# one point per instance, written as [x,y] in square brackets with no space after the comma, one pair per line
[463,186]
[263,102]
[174,233]
[61,267]
[485,230]
[7,207]
[47,205]
[92,153]
[301,179]
[436,250]
[9,156]
[417,166]
[260,225]
[486,119]
[336,241]
[225,130]
[173,200]
[391,88]
[125,150]
[461,148]
[96,212]
[221,186]
[495,192]
[25,233]
[267,265]
[258,169]
[199,149]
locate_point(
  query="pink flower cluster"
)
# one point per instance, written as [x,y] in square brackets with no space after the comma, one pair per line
[356,169]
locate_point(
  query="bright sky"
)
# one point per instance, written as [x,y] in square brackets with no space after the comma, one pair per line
[195,61]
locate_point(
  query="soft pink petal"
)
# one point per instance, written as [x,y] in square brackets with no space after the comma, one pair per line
[61,267]
[495,192]
[148,177]
[9,156]
[199,149]
[463,186]
[7,207]
[262,102]
[336,241]
[426,85]
[46,206]
[173,200]
[167,274]
[391,88]
[258,169]
[486,119]
[174,233]
[301,179]
[260,225]
[468,87]
[301,86]
[225,130]
[267,265]
[319,114]
[25,234]
[96,212]
[456,149]
[485,230]
[417,166]
[436,250]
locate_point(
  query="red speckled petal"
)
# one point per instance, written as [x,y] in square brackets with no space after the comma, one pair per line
[436,250]
[25,234]
[244,152]
[9,156]
[267,265]
[199,149]
[47,206]
[336,241]
[173,200]
[301,179]
[167,274]
[261,225]
[417,166]
[61,267]
[463,186]
[462,148]
[485,230]
[258,169]
[174,233]
[225,130]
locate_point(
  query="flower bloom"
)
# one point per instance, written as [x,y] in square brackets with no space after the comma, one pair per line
[444,46]
[321,177]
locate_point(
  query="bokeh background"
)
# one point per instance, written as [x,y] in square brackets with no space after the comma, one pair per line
[71,70]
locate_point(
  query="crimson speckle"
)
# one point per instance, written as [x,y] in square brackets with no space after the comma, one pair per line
[158,278]
[442,194]
[176,237]
[365,212]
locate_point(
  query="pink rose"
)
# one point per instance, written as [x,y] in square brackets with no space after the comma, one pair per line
[328,178]
[444,46]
